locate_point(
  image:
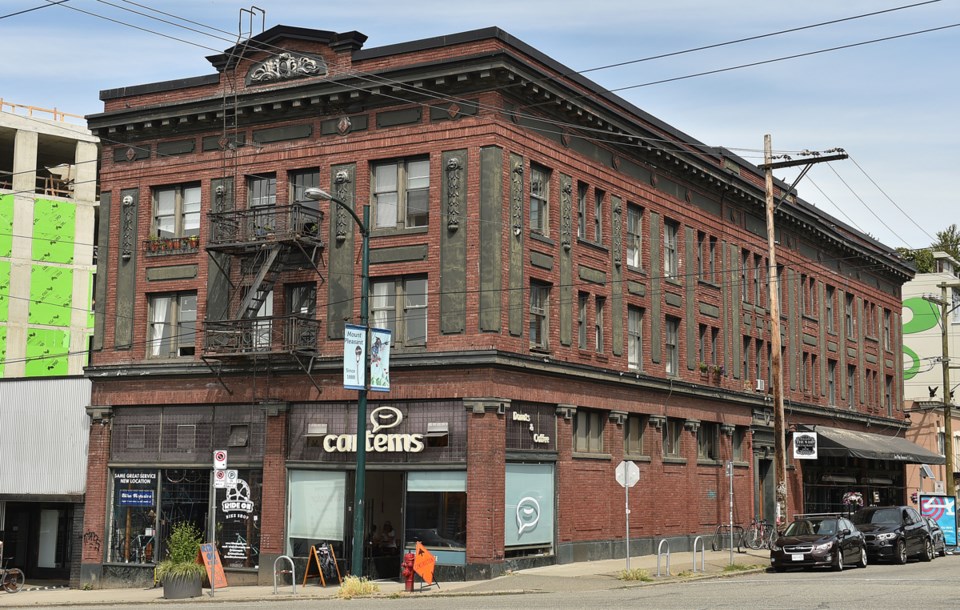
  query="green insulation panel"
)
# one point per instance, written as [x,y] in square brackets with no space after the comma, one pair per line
[6,224]
[53,231]
[51,294]
[4,290]
[47,352]
[3,348]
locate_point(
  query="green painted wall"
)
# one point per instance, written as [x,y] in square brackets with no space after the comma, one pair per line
[53,231]
[6,224]
[47,351]
[51,291]
[3,348]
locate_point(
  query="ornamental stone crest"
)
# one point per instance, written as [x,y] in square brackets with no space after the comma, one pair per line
[617,238]
[286,66]
[516,194]
[454,193]
[566,205]
[341,186]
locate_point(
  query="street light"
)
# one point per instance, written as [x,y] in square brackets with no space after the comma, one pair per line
[359,488]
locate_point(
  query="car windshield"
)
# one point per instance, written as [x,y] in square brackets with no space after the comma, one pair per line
[807,527]
[881,515]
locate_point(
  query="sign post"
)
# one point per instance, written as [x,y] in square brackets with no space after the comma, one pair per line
[218,481]
[729,469]
[627,475]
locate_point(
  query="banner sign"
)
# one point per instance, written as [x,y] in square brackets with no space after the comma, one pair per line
[943,510]
[380,359]
[804,445]
[354,356]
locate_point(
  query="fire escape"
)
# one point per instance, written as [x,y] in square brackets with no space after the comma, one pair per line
[262,243]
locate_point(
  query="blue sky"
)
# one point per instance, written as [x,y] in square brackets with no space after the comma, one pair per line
[891,105]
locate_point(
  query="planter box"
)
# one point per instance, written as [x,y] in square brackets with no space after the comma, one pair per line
[181,588]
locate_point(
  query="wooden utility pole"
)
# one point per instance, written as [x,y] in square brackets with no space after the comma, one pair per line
[776,370]
[947,394]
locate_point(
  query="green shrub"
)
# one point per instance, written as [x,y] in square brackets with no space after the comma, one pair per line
[182,548]
[635,574]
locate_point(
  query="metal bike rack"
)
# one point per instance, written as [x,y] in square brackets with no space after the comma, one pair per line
[660,552]
[703,554]
[292,572]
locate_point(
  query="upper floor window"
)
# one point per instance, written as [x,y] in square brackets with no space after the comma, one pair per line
[886,329]
[634,337]
[851,386]
[400,305]
[671,437]
[582,192]
[539,309]
[401,193]
[300,181]
[828,303]
[176,211]
[848,315]
[708,443]
[261,190]
[302,299]
[714,344]
[539,199]
[712,261]
[598,215]
[758,280]
[744,276]
[701,258]
[831,382]
[633,430]
[672,346]
[739,434]
[588,431]
[173,324]
[582,303]
[671,255]
[634,236]
[598,323]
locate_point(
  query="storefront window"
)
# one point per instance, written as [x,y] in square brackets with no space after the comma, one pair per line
[238,520]
[133,516]
[528,517]
[315,512]
[437,513]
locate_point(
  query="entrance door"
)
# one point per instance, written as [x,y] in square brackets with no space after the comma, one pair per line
[38,539]
[383,520]
[766,501]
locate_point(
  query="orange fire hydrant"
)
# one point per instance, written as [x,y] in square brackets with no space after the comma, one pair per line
[406,569]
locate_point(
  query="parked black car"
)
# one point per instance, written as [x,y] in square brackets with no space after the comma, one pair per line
[895,533]
[936,534]
[819,540]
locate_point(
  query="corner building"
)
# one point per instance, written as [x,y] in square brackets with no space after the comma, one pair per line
[569,282]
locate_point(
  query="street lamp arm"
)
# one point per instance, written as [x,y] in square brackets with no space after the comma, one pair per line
[316,194]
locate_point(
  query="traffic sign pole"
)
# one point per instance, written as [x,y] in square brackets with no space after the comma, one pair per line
[627,475]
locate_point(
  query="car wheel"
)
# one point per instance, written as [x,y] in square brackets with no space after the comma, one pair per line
[863,557]
[927,554]
[943,551]
[901,554]
[838,560]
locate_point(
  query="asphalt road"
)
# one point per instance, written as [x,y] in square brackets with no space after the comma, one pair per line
[915,585]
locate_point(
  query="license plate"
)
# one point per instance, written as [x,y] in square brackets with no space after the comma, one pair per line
[796,557]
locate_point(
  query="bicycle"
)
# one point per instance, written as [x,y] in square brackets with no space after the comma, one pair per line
[721,537]
[11,579]
[760,534]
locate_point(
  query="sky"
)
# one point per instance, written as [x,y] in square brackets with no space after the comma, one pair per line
[890,104]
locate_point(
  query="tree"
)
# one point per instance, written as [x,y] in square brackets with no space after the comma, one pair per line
[948,240]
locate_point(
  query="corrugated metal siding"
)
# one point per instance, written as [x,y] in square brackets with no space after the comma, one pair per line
[44,435]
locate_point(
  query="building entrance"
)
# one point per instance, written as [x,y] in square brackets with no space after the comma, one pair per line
[37,539]
[384,522]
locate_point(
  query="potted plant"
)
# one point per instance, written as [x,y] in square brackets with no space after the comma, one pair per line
[703,368]
[717,372]
[180,573]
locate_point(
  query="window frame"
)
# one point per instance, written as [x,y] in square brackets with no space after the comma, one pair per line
[708,441]
[635,337]
[540,199]
[671,437]
[583,191]
[634,236]
[583,303]
[590,439]
[598,314]
[598,195]
[539,315]
[671,346]
[261,190]
[671,252]
[402,218]
[634,434]
[180,344]
[180,212]
[398,302]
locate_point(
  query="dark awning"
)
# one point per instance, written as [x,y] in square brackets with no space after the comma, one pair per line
[834,442]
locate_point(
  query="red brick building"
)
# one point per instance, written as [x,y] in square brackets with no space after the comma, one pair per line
[569,282]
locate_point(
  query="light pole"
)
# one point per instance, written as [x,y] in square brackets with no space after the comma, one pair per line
[360,482]
[945,310]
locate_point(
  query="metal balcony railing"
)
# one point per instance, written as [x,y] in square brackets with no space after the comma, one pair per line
[265,224]
[275,334]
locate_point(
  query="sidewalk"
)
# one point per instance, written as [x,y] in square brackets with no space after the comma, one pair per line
[580,576]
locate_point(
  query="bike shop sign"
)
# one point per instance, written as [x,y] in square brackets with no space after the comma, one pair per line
[237,501]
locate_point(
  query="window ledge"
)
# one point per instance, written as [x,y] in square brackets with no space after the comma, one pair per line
[672,280]
[708,284]
[741,464]
[637,458]
[592,456]
[668,459]
[538,236]
[589,242]
[709,462]
[398,231]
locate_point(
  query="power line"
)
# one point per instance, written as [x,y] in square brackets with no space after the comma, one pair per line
[36,8]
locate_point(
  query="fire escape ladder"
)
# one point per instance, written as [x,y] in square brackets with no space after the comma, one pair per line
[262,284]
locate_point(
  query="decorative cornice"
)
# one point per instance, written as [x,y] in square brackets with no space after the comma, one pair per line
[286,66]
